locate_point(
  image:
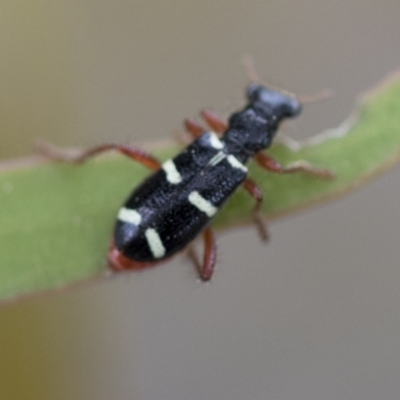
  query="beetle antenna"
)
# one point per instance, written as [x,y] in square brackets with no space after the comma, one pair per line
[248,62]
[323,94]
[249,65]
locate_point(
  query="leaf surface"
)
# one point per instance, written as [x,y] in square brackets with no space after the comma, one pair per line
[56,220]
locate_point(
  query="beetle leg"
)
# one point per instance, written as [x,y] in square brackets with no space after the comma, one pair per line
[256,193]
[193,128]
[210,255]
[215,122]
[132,152]
[118,262]
[270,164]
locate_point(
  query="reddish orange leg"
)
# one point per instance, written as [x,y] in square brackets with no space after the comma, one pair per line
[269,163]
[193,128]
[214,121]
[118,262]
[210,255]
[134,153]
[256,193]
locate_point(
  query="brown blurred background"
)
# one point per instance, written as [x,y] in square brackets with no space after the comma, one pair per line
[316,314]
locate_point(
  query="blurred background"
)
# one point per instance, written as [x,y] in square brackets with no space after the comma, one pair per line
[316,314]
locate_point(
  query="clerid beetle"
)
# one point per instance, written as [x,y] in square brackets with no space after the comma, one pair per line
[176,203]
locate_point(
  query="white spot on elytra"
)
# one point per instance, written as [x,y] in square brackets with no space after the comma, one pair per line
[215,142]
[202,204]
[235,163]
[155,244]
[130,216]
[173,176]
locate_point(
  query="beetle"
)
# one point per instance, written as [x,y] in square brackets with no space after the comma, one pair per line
[175,204]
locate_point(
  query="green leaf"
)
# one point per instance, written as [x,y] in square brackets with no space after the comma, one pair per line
[56,220]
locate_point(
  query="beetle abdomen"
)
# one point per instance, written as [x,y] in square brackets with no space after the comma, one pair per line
[176,203]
